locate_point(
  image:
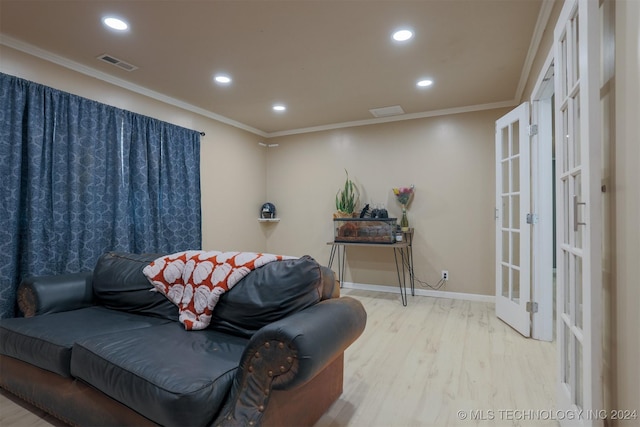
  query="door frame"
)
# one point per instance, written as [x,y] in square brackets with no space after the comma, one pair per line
[542,201]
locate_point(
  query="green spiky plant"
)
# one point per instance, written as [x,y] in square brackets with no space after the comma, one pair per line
[347,197]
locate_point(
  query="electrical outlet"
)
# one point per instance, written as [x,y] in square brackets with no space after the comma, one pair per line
[445,274]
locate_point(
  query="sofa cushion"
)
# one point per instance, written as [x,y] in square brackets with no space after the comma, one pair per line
[118,283]
[173,377]
[267,294]
[46,341]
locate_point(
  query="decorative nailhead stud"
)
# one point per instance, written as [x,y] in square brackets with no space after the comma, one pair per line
[250,369]
[261,408]
[280,345]
[282,369]
[267,344]
[270,373]
[257,355]
[290,359]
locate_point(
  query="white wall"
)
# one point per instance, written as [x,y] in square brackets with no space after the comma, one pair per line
[450,159]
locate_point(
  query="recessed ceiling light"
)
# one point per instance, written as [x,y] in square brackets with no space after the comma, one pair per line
[402,35]
[222,79]
[424,83]
[115,23]
[279,107]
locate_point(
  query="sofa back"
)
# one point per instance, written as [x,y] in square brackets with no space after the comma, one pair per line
[118,284]
[265,295]
[272,292]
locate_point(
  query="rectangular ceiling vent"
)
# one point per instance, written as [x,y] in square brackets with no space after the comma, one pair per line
[117,62]
[395,110]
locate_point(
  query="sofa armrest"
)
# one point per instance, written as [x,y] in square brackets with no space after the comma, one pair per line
[288,353]
[54,293]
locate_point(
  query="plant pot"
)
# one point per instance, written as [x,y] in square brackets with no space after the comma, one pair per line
[340,214]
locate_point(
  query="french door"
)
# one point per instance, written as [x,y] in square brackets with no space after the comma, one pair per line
[578,210]
[513,235]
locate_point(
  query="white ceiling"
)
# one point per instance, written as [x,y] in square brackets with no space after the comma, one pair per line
[329,61]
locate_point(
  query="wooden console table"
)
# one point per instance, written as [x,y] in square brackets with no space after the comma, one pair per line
[402,250]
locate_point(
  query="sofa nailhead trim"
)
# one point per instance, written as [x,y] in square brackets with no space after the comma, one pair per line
[267,344]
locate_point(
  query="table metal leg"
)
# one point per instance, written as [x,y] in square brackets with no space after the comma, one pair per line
[331,255]
[340,251]
[401,282]
[343,264]
[412,277]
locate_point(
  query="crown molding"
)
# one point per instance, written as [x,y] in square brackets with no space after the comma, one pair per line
[92,72]
[402,117]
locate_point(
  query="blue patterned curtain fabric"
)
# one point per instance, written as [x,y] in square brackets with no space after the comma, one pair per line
[79,178]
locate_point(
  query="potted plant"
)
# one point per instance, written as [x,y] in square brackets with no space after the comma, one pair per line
[346,199]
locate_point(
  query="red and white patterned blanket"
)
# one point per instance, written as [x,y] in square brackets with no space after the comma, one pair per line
[195,280]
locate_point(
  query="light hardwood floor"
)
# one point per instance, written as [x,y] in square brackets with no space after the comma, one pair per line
[419,366]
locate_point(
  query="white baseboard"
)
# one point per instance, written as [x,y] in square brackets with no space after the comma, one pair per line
[420,292]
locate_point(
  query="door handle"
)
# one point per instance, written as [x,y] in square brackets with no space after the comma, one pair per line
[576,223]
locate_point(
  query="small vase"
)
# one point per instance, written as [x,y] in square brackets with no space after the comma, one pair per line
[404,222]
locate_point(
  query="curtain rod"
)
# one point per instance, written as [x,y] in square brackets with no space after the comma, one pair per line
[202,134]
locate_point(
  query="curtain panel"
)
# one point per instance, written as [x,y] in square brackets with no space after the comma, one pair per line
[79,178]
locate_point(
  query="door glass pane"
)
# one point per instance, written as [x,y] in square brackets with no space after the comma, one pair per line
[505,143]
[566,352]
[578,291]
[515,249]
[515,212]
[515,288]
[576,51]
[515,139]
[505,177]
[576,130]
[579,401]
[505,281]
[563,69]
[566,217]
[515,174]
[578,216]
[506,212]
[565,140]
[505,247]
[566,288]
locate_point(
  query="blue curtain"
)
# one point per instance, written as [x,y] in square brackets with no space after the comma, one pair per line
[79,178]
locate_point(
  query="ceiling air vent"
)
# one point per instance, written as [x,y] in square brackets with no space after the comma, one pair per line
[396,110]
[117,62]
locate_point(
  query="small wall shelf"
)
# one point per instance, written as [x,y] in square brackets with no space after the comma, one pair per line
[268,219]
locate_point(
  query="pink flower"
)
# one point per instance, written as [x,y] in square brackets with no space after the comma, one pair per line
[403,194]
